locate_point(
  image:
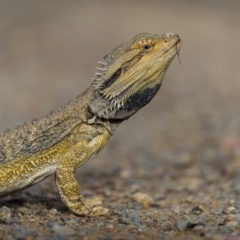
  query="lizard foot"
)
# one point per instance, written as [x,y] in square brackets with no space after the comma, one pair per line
[95,204]
[90,207]
[83,211]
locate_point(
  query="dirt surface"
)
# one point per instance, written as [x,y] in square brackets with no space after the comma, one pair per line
[172,171]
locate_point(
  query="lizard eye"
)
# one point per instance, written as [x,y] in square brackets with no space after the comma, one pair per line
[146,47]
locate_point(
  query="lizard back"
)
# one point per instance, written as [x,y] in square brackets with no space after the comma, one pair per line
[42,133]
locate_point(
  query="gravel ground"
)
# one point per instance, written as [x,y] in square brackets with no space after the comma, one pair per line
[169,172]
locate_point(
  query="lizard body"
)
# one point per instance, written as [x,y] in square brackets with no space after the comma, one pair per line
[63,140]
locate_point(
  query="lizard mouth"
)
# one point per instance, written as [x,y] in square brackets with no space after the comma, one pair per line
[172,51]
[175,48]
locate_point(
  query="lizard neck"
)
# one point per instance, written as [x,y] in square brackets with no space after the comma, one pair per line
[80,107]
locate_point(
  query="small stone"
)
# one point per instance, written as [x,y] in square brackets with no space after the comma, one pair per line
[53,211]
[134,188]
[32,220]
[5,213]
[232,210]
[182,225]
[24,210]
[107,192]
[63,230]
[6,220]
[142,198]
[189,199]
[5,210]
[175,209]
[125,174]
[229,210]
[198,227]
[237,204]
[232,224]
[218,211]
[109,227]
[237,217]
[204,219]
[184,159]
[197,210]
[188,210]
[21,233]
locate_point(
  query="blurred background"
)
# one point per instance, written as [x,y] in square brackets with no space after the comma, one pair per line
[49,51]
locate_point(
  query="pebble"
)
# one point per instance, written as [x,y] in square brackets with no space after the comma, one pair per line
[5,211]
[194,210]
[218,211]
[143,198]
[21,232]
[237,217]
[176,209]
[204,219]
[229,210]
[182,224]
[198,227]
[232,224]
[237,204]
[109,227]
[197,210]
[125,174]
[63,230]
[6,220]
[24,210]
[53,211]
[188,210]
[5,214]
[134,188]
[24,232]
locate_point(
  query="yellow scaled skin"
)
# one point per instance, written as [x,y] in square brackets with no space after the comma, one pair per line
[64,139]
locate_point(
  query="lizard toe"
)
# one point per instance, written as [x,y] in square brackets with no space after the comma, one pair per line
[99,211]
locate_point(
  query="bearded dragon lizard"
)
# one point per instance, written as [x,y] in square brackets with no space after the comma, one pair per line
[63,140]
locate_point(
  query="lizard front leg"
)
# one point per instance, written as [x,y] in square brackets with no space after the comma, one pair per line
[91,142]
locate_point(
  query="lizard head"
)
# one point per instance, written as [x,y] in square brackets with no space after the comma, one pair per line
[131,75]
